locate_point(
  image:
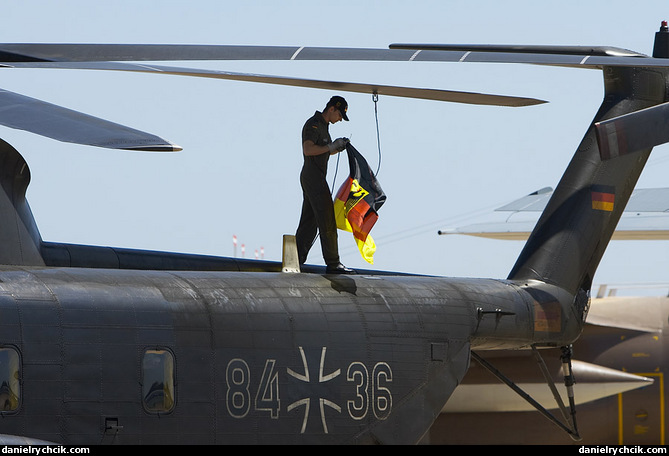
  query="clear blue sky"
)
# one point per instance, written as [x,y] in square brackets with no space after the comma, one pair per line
[238,171]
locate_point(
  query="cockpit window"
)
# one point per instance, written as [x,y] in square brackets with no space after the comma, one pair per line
[158,381]
[10,387]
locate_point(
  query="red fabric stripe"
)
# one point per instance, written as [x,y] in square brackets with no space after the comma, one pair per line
[603,197]
[344,190]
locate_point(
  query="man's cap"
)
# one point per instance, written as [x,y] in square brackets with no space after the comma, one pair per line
[340,104]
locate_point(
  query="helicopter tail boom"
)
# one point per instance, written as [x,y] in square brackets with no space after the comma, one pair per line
[573,232]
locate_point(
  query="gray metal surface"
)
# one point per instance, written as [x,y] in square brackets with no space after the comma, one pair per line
[35,53]
[395,91]
[46,119]
[82,332]
[633,132]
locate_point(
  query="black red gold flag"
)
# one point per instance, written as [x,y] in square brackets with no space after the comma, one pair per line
[357,203]
[603,197]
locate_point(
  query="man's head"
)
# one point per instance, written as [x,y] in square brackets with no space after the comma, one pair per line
[338,104]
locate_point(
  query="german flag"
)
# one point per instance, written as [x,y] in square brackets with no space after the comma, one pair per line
[357,202]
[603,197]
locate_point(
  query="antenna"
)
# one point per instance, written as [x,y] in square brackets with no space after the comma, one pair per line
[661,46]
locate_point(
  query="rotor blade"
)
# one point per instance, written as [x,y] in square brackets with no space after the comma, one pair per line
[55,52]
[524,49]
[53,121]
[594,57]
[396,91]
[633,132]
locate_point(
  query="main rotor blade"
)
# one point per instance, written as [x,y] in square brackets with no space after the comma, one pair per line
[524,49]
[633,132]
[593,57]
[55,52]
[56,122]
[396,91]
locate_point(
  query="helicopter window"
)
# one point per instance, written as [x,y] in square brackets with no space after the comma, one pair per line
[10,391]
[158,381]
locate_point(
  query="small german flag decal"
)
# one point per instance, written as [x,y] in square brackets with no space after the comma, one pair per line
[603,197]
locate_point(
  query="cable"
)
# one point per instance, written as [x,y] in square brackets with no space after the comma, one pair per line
[334,178]
[414,231]
[375,99]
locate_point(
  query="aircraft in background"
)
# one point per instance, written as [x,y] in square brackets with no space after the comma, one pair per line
[620,369]
[645,217]
[619,365]
[109,345]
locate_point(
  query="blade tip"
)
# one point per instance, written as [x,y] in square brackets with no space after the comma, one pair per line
[169,147]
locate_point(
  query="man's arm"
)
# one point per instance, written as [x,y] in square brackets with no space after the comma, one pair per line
[309,148]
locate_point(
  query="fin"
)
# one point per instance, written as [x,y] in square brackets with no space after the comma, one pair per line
[576,226]
[578,222]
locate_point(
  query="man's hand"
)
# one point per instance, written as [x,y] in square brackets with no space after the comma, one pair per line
[338,145]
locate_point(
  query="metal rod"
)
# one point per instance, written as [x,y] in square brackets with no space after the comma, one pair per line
[568,373]
[551,384]
[524,395]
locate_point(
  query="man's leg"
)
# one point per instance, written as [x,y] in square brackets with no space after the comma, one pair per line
[327,226]
[306,231]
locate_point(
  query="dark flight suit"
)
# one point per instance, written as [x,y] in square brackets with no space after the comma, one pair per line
[317,206]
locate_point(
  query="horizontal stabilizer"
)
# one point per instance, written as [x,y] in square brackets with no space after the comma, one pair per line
[53,121]
[633,132]
[395,91]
